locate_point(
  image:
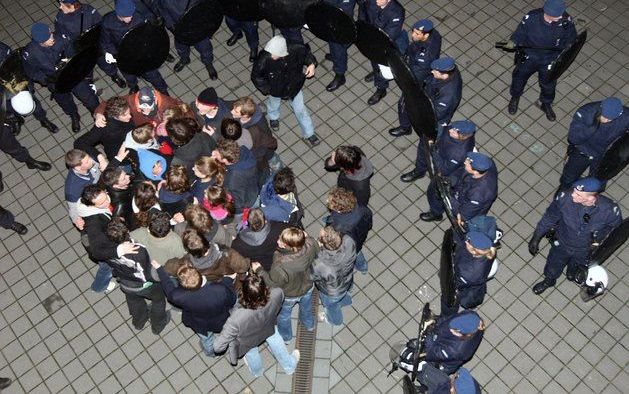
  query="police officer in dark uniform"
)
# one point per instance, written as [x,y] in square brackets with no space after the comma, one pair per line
[454,340]
[72,20]
[250,30]
[474,192]
[424,48]
[444,87]
[576,221]
[543,33]
[41,58]
[449,157]
[593,129]
[15,120]
[115,25]
[438,382]
[7,220]
[473,258]
[172,11]
[388,15]
[338,52]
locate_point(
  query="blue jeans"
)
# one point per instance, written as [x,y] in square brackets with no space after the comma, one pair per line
[333,306]
[102,277]
[299,108]
[207,343]
[278,348]
[361,263]
[284,325]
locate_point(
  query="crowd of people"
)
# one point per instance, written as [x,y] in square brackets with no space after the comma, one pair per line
[191,205]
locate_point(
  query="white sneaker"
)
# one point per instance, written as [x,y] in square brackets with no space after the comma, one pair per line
[322,316]
[111,286]
[297,355]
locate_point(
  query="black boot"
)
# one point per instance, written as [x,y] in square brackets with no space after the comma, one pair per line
[548,110]
[253,55]
[181,64]
[337,82]
[328,57]
[76,123]
[412,176]
[48,125]
[170,58]
[275,124]
[19,228]
[430,216]
[377,96]
[14,125]
[40,165]
[211,72]
[400,131]
[369,77]
[119,81]
[513,105]
[540,287]
[234,39]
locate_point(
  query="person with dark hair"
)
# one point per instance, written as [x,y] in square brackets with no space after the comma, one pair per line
[93,208]
[138,281]
[120,190]
[279,200]
[350,218]
[112,135]
[254,323]
[355,171]
[290,271]
[220,204]
[197,218]
[161,243]
[205,305]
[210,111]
[258,240]
[144,201]
[175,195]
[241,176]
[209,172]
[333,273]
[201,253]
[189,141]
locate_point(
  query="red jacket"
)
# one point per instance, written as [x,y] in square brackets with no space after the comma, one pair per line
[163,101]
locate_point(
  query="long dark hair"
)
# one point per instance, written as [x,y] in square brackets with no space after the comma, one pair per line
[253,292]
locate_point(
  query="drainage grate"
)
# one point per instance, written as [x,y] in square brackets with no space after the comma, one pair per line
[305,342]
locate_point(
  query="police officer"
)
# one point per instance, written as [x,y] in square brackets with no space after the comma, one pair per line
[172,11]
[10,145]
[72,20]
[593,129]
[250,30]
[542,34]
[425,47]
[41,58]
[474,192]
[454,340]
[438,382]
[338,52]
[578,221]
[388,15]
[473,258]
[444,87]
[14,119]
[7,220]
[115,25]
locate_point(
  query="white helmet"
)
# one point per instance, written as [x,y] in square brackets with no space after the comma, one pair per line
[23,103]
[595,283]
[494,269]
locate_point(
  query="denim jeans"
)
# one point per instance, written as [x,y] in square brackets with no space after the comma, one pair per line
[299,107]
[207,343]
[284,324]
[333,306]
[360,263]
[278,348]
[102,277]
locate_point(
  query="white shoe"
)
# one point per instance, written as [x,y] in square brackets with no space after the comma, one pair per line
[297,355]
[111,286]
[322,316]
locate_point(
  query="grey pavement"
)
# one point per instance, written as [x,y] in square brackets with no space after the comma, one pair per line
[58,336]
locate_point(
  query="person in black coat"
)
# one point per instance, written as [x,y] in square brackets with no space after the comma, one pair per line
[120,190]
[349,217]
[355,171]
[241,173]
[205,305]
[279,73]
[111,136]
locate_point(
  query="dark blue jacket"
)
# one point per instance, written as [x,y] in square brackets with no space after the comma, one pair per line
[347,6]
[241,180]
[203,310]
[40,62]
[450,351]
[590,136]
[390,19]
[577,226]
[274,207]
[445,95]
[113,29]
[172,10]
[69,25]
[474,196]
[355,223]
[420,54]
[470,275]
[198,189]
[536,32]
[451,153]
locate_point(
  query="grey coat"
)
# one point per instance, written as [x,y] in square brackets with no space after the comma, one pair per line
[248,328]
[333,270]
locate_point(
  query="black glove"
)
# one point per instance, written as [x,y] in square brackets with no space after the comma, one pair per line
[534,244]
[159,21]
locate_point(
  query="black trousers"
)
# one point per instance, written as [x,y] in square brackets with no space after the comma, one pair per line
[6,218]
[139,310]
[10,145]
